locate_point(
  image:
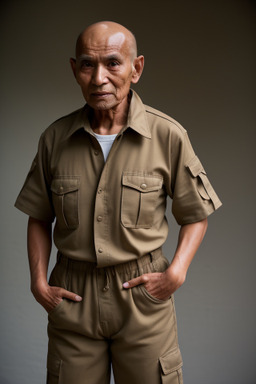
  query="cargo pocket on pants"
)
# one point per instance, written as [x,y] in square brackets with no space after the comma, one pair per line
[62,372]
[53,369]
[171,364]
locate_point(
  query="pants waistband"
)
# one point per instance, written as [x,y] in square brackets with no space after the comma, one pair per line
[119,268]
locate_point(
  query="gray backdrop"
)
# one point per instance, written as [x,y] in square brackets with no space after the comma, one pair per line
[200,69]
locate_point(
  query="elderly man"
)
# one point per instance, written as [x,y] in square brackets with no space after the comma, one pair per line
[104,172]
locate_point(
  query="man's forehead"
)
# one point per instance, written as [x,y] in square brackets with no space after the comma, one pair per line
[117,39]
[102,42]
[105,36]
[100,55]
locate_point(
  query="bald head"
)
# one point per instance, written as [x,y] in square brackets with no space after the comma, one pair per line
[106,65]
[114,34]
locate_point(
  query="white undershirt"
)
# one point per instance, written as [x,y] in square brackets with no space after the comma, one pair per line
[105,142]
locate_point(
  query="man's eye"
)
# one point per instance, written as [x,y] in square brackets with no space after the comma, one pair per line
[113,64]
[86,64]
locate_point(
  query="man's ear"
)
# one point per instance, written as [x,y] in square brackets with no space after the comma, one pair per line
[73,65]
[138,65]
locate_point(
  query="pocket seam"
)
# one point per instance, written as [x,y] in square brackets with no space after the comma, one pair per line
[205,188]
[56,308]
[62,188]
[149,188]
[54,364]
[195,167]
[167,363]
[143,185]
[150,297]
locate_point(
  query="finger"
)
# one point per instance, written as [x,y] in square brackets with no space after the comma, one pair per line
[137,281]
[70,295]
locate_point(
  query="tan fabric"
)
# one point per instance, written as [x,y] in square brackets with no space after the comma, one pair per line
[114,212]
[134,331]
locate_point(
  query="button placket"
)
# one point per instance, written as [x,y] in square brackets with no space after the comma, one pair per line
[100,220]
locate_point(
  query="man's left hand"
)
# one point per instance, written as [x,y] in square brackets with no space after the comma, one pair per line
[159,285]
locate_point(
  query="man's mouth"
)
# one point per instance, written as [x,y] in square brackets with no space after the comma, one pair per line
[100,94]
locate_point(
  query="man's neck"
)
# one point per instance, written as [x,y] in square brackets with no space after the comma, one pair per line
[109,122]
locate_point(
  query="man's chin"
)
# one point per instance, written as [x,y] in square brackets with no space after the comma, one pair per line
[102,105]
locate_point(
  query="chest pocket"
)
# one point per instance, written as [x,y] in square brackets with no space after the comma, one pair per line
[139,196]
[65,200]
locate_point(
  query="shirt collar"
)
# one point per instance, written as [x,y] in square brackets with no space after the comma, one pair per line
[137,119]
[81,121]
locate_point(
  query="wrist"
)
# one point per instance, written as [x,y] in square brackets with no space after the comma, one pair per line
[38,286]
[176,272]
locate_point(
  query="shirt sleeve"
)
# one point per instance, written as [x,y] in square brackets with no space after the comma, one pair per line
[193,196]
[34,198]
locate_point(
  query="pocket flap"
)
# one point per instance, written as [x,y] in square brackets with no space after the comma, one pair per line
[171,361]
[63,186]
[53,364]
[143,183]
[195,167]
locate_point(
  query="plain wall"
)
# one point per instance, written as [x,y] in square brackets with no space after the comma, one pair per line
[200,69]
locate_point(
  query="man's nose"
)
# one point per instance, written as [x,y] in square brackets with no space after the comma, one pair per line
[99,76]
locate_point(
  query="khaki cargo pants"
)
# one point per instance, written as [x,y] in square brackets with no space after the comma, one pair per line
[129,329]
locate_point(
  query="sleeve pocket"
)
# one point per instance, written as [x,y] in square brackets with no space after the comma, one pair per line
[171,364]
[204,187]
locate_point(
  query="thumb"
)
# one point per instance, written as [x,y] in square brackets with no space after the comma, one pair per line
[70,295]
[136,281]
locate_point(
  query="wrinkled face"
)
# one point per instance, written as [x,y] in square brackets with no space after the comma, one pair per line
[103,68]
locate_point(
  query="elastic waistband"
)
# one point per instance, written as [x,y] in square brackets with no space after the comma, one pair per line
[128,267]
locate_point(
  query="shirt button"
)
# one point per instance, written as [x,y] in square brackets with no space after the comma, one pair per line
[100,190]
[100,250]
[143,186]
[96,153]
[99,218]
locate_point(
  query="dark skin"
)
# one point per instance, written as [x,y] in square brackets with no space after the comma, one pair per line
[105,66]
[39,249]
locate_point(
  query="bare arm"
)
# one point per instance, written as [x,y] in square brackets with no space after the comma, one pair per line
[162,285]
[39,249]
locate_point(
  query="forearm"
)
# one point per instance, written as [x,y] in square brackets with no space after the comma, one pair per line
[162,285]
[190,238]
[39,249]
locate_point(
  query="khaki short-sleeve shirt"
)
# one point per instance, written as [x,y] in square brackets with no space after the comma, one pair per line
[113,212]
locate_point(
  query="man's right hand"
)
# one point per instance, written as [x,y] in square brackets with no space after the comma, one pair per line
[49,297]
[39,249]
